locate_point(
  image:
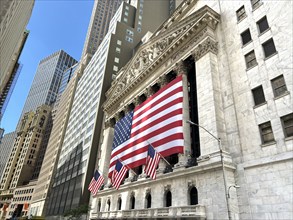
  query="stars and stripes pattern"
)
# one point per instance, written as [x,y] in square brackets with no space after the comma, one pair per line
[96,183]
[118,174]
[158,120]
[152,161]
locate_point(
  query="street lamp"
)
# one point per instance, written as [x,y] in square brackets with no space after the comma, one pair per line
[222,163]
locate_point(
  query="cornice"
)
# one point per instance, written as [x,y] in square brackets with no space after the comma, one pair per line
[150,56]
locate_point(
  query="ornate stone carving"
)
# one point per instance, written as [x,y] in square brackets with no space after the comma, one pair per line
[149,91]
[190,45]
[159,48]
[180,68]
[167,187]
[190,184]
[148,191]
[208,45]
[162,80]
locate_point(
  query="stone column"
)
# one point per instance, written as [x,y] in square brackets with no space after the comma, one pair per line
[210,110]
[181,68]
[106,148]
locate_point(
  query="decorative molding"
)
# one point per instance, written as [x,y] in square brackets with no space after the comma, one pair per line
[148,191]
[205,47]
[190,184]
[180,68]
[160,48]
[167,187]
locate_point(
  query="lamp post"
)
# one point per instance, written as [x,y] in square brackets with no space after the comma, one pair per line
[222,163]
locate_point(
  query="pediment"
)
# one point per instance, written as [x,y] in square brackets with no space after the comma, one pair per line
[162,44]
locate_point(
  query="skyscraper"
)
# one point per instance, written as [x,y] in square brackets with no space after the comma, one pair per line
[5,149]
[79,149]
[47,80]
[14,16]
[102,14]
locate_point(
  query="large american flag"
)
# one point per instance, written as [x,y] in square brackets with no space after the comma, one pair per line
[96,183]
[152,161]
[118,174]
[158,120]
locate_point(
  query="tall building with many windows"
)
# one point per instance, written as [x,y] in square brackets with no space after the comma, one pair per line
[5,149]
[14,17]
[227,67]
[79,148]
[45,86]
[22,161]
[102,14]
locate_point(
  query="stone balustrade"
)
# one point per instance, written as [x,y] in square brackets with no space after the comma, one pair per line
[196,212]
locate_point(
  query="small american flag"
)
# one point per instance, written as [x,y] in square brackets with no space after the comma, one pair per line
[96,183]
[159,119]
[118,174]
[152,162]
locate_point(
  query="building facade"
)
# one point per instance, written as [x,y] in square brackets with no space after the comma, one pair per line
[60,114]
[20,168]
[45,86]
[66,77]
[79,148]
[5,149]
[234,63]
[14,18]
[102,13]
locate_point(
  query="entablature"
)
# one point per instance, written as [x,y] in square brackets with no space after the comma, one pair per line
[197,30]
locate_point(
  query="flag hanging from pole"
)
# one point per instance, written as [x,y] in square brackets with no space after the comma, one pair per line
[118,174]
[159,120]
[152,161]
[96,183]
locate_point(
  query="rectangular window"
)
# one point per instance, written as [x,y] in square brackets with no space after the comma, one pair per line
[115,68]
[250,60]
[262,25]
[129,39]
[119,42]
[269,47]
[279,85]
[241,14]
[266,132]
[287,122]
[246,37]
[116,60]
[125,19]
[258,95]
[129,32]
[255,3]
[118,50]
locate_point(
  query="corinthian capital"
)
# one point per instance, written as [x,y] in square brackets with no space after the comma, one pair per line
[202,49]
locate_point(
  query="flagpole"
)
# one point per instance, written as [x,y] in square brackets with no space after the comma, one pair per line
[159,154]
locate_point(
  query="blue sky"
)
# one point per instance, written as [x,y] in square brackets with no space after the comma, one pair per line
[54,25]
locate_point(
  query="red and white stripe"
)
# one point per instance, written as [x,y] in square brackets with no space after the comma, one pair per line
[151,165]
[158,120]
[117,177]
[95,185]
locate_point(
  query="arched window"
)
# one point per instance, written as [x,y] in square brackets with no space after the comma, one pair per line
[148,200]
[99,206]
[132,202]
[108,205]
[119,202]
[193,196]
[168,199]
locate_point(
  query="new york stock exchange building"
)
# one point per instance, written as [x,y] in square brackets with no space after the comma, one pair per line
[211,92]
